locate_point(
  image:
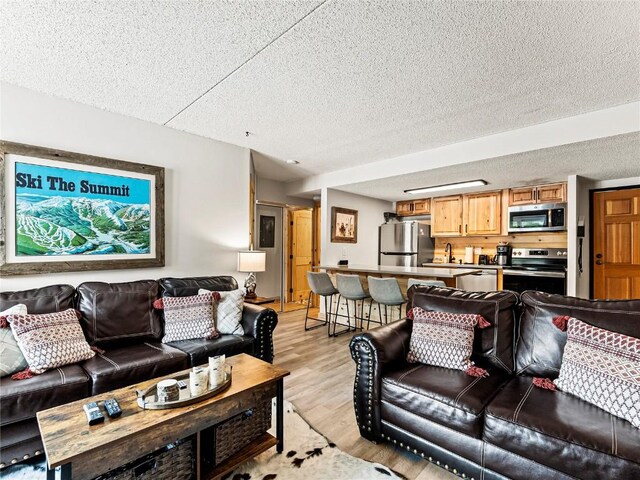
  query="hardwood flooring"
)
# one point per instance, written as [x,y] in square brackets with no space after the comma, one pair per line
[321,387]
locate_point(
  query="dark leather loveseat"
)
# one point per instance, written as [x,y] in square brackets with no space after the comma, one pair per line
[500,426]
[120,319]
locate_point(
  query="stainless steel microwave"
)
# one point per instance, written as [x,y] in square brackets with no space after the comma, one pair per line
[546,217]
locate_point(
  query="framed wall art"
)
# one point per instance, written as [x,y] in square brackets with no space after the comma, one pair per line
[267,231]
[65,212]
[344,225]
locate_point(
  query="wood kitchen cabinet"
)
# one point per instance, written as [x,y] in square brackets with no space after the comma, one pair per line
[413,207]
[466,215]
[552,193]
[446,216]
[482,213]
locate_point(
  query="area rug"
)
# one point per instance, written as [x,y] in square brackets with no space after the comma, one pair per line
[307,456]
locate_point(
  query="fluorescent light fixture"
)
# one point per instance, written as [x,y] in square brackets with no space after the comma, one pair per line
[448,186]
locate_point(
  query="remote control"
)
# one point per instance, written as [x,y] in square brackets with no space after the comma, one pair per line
[94,415]
[112,407]
[182,384]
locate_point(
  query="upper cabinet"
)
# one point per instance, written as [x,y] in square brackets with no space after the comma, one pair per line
[482,213]
[446,216]
[552,193]
[461,215]
[414,207]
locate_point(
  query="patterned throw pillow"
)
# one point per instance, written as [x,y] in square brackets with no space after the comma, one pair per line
[11,358]
[601,367]
[191,317]
[49,340]
[444,339]
[229,311]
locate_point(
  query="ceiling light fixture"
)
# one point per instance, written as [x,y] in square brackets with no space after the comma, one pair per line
[293,162]
[448,186]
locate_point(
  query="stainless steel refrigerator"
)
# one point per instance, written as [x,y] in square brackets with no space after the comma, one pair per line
[407,244]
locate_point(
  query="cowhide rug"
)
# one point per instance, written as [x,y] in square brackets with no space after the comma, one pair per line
[307,456]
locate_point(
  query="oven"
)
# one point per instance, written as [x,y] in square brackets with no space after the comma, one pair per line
[539,269]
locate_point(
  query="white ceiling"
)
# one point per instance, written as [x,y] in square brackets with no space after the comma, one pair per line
[330,83]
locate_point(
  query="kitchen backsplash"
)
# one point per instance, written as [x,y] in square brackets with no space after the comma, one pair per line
[488,244]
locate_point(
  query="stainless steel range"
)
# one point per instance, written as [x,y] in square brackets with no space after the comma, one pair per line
[543,269]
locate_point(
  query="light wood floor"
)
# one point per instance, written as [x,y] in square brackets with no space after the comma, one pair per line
[321,387]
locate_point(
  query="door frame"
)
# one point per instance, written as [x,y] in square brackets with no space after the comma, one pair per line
[592,226]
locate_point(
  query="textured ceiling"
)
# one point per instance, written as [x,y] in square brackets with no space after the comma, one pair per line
[603,159]
[329,83]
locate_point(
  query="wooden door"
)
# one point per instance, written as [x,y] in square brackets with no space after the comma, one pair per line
[616,246]
[404,208]
[302,253]
[482,213]
[554,193]
[522,196]
[446,216]
[422,206]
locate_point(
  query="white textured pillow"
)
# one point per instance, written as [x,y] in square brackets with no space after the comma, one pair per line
[11,358]
[228,311]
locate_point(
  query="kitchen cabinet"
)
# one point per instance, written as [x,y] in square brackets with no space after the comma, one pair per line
[413,207]
[482,213]
[552,193]
[446,216]
[467,215]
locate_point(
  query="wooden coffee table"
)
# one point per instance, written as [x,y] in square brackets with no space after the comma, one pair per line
[84,451]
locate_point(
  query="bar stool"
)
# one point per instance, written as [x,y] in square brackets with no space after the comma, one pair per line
[320,283]
[386,291]
[422,282]
[350,288]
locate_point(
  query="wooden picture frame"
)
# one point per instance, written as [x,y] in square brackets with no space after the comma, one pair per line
[68,212]
[344,225]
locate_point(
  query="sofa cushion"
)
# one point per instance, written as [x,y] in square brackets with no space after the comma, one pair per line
[189,317]
[11,358]
[50,340]
[20,439]
[445,396]
[443,339]
[199,350]
[115,314]
[21,400]
[53,298]
[561,431]
[229,311]
[119,367]
[540,346]
[602,368]
[494,343]
[182,287]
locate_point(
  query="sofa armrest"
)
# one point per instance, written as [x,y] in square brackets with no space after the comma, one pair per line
[260,322]
[376,352]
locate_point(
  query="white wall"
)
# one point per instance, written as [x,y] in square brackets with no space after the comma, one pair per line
[370,217]
[206,184]
[274,191]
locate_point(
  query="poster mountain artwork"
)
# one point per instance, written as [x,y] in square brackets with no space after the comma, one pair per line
[62,211]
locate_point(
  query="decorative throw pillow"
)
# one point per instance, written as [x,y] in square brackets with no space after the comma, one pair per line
[229,311]
[49,340]
[601,367]
[11,358]
[189,317]
[444,339]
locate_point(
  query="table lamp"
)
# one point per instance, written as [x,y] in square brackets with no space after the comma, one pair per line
[251,261]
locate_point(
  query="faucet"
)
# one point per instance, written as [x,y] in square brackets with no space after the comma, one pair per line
[447,249]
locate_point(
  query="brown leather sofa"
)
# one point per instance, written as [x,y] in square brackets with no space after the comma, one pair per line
[120,319]
[500,426]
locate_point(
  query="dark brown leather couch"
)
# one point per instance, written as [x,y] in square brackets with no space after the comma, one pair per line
[500,426]
[120,319]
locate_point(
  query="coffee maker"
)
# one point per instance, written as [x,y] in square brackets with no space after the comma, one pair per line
[503,256]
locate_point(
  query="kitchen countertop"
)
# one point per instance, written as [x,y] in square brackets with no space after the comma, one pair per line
[463,265]
[407,271]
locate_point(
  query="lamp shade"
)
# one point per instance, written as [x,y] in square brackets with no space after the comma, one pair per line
[252,261]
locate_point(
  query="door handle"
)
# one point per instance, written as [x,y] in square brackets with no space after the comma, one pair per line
[599,262]
[598,255]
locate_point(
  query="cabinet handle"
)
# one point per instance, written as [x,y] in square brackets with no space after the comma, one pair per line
[465,228]
[459,228]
